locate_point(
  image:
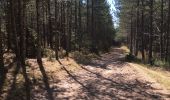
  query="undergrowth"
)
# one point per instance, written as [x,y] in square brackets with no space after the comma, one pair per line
[83,58]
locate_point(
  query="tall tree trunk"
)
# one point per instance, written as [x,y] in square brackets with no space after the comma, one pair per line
[168,33]
[76,24]
[9,7]
[22,6]
[80,26]
[131,33]
[44,26]
[150,60]
[14,30]
[142,32]
[39,58]
[70,27]
[161,34]
[137,30]
[92,29]
[87,19]
[57,31]
[1,52]
[50,24]
[67,28]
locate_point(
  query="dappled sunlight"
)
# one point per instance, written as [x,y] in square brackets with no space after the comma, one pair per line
[107,78]
[85,50]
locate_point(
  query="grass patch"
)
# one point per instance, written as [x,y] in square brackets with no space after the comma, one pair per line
[161,63]
[158,74]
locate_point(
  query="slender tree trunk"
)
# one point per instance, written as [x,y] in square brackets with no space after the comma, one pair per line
[80,26]
[14,30]
[87,17]
[76,24]
[161,34]
[168,33]
[70,27]
[47,23]
[92,29]
[39,55]
[23,48]
[151,33]
[44,26]
[50,24]
[56,33]
[1,52]
[131,34]
[67,28]
[9,25]
[137,30]
[39,58]
[142,32]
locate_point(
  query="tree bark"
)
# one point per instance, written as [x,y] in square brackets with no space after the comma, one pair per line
[150,60]
[50,25]
[57,31]
[142,32]
[22,6]
[131,33]
[1,52]
[161,34]
[137,30]
[87,26]
[80,26]
[168,33]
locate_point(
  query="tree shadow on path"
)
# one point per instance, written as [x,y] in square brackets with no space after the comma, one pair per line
[4,76]
[87,89]
[13,85]
[116,86]
[46,82]
[136,87]
[102,88]
[2,81]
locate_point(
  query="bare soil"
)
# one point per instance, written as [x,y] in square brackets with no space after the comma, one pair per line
[107,78]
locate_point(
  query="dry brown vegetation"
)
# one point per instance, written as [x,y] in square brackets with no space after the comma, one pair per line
[107,78]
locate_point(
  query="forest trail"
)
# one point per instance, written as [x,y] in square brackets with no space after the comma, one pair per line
[108,78]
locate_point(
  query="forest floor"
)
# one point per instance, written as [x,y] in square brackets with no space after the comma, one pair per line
[107,78]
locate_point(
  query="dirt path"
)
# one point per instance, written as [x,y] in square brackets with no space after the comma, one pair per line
[109,78]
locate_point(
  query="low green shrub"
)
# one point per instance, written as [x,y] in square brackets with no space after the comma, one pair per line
[130,58]
[161,63]
[49,53]
[62,53]
[82,58]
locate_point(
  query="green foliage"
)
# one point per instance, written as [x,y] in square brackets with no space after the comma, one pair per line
[19,92]
[31,42]
[104,31]
[130,57]
[62,53]
[83,58]
[160,63]
[50,54]
[120,38]
[142,21]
